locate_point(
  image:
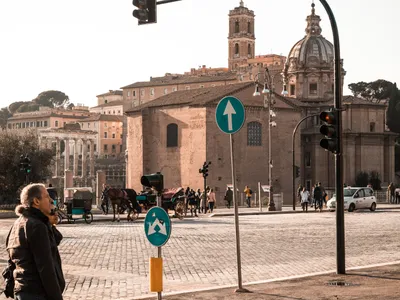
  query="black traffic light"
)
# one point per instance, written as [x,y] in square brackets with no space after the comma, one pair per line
[155,181]
[204,169]
[25,164]
[297,171]
[146,11]
[330,130]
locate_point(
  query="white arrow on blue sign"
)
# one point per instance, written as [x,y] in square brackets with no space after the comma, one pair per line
[230,115]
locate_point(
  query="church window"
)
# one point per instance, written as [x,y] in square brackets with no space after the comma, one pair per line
[45,123]
[313,89]
[113,148]
[165,91]
[105,135]
[174,89]
[105,101]
[248,27]
[254,136]
[372,127]
[307,159]
[129,94]
[292,90]
[141,92]
[56,124]
[237,27]
[134,93]
[249,50]
[152,92]
[105,148]
[172,135]
[236,48]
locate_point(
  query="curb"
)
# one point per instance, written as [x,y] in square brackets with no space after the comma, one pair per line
[284,212]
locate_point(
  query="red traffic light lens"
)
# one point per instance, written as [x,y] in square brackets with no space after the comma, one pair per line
[328,117]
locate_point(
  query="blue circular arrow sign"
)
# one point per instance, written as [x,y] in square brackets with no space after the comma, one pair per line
[230,114]
[157,226]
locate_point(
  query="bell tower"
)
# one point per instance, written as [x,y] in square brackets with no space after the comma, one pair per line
[241,39]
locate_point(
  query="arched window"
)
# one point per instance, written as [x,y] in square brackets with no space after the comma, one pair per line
[236,48]
[249,49]
[237,27]
[254,134]
[248,27]
[172,135]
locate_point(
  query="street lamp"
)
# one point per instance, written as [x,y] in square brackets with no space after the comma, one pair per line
[268,91]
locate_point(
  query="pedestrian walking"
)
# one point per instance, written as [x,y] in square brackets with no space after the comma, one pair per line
[318,197]
[305,195]
[211,200]
[105,200]
[32,248]
[312,195]
[299,189]
[248,193]
[391,193]
[198,199]
[228,197]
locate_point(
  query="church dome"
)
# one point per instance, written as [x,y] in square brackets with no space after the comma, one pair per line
[313,51]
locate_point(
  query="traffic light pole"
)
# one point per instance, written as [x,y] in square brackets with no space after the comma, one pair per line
[340,238]
[294,157]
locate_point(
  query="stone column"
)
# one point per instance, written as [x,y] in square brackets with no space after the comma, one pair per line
[66,154]
[84,154]
[100,179]
[76,157]
[68,183]
[92,158]
[57,165]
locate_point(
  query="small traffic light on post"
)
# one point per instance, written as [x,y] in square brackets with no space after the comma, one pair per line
[330,130]
[155,181]
[146,11]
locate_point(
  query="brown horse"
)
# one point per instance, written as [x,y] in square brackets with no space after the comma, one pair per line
[121,198]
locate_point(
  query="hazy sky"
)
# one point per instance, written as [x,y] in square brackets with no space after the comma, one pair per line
[86,47]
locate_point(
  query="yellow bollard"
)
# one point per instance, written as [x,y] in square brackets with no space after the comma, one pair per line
[156,276]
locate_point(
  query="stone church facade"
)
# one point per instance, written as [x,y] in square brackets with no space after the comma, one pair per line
[176,133]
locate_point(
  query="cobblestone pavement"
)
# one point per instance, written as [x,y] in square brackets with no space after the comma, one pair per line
[110,260]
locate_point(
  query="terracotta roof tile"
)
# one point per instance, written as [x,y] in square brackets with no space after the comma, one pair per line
[112,103]
[194,97]
[103,117]
[171,80]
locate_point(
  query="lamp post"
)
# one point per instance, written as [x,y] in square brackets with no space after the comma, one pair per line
[268,91]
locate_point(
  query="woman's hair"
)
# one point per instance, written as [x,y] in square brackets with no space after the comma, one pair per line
[30,192]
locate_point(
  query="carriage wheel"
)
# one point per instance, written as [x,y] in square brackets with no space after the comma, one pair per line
[59,219]
[179,210]
[88,217]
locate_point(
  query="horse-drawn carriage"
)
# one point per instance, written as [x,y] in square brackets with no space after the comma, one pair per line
[80,204]
[171,199]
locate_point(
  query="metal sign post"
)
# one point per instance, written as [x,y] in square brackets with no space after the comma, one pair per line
[230,116]
[157,227]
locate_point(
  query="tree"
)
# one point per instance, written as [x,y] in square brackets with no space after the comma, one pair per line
[13,107]
[4,115]
[12,146]
[52,99]
[393,111]
[374,91]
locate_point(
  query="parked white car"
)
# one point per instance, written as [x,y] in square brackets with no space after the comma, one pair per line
[355,198]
